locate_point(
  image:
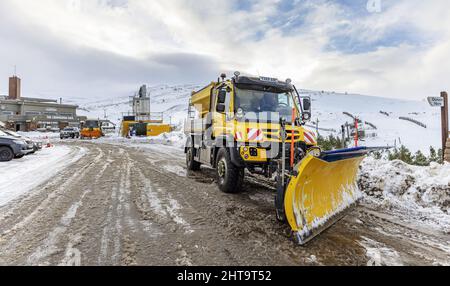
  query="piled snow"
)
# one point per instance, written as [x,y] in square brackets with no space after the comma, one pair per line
[41,136]
[422,193]
[23,175]
[176,139]
[380,254]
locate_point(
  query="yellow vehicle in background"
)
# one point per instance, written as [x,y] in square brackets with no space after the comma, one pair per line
[141,122]
[145,128]
[257,124]
[91,129]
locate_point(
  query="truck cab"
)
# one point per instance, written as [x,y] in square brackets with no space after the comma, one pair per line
[243,123]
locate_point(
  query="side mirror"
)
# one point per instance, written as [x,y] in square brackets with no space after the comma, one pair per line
[222,98]
[307,109]
[220,108]
[307,104]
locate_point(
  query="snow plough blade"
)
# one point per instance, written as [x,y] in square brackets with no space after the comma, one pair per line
[322,190]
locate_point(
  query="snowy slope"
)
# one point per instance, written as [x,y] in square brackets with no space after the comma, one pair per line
[328,108]
[172,100]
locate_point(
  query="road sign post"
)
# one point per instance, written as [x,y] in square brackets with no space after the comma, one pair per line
[442,102]
[444,115]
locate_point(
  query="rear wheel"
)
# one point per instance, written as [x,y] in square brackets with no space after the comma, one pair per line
[192,165]
[229,177]
[6,154]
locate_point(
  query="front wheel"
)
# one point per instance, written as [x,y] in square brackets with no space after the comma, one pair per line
[6,154]
[229,177]
[192,165]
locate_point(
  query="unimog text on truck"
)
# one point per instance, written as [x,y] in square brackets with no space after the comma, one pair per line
[258,124]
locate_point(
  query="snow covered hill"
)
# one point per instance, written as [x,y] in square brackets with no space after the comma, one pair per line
[172,100]
[328,108]
[384,114]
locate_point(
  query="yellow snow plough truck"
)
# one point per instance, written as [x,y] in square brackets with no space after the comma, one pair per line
[257,124]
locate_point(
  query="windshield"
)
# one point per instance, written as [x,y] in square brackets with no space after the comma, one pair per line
[264,104]
[91,124]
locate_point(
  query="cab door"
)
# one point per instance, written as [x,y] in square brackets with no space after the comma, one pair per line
[215,122]
[222,109]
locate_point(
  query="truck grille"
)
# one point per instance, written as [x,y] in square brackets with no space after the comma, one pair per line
[274,134]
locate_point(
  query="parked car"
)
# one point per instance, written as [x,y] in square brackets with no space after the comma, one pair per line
[11,147]
[32,144]
[70,132]
[42,130]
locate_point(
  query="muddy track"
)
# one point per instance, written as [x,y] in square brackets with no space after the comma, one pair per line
[120,205]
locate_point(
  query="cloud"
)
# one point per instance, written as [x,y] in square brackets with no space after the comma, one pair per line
[88,47]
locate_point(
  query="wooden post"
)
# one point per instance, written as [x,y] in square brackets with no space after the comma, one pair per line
[317,126]
[444,116]
[356,132]
[344,142]
[347,125]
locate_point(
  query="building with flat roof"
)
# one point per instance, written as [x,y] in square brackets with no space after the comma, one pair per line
[30,114]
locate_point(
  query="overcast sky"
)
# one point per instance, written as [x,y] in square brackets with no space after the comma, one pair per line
[90,48]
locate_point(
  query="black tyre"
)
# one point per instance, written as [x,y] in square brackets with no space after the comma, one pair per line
[6,154]
[192,165]
[229,177]
[279,201]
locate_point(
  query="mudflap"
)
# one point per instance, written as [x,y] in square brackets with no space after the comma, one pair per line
[321,192]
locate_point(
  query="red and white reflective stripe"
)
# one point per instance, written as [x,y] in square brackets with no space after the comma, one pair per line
[310,137]
[238,136]
[255,134]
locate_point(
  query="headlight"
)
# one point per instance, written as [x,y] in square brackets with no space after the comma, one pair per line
[19,142]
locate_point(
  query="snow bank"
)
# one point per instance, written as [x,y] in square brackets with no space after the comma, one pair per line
[175,139]
[419,192]
[20,176]
[41,136]
[380,254]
